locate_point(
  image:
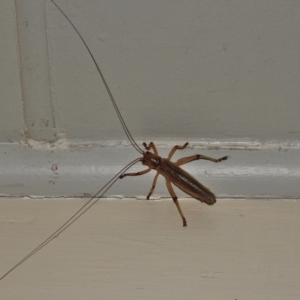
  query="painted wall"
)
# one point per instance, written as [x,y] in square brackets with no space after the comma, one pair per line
[222,75]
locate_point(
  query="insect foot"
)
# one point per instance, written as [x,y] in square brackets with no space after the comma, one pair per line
[223,158]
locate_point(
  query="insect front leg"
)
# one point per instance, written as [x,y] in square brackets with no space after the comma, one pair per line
[175,200]
[151,146]
[188,159]
[135,174]
[142,173]
[176,148]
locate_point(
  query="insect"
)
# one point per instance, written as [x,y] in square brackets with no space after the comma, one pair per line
[171,171]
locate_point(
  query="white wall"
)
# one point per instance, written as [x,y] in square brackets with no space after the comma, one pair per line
[190,70]
[221,75]
[11,112]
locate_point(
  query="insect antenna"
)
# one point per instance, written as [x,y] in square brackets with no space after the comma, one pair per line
[127,132]
[93,200]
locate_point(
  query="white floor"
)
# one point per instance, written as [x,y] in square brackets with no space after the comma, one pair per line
[130,249]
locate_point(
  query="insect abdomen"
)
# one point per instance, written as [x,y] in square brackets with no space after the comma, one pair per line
[186,182]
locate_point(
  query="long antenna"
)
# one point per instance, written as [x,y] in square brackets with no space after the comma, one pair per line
[74,217]
[127,132]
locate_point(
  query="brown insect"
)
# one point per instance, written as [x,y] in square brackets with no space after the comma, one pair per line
[175,175]
[163,166]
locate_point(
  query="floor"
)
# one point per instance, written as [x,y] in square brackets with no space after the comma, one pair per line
[137,249]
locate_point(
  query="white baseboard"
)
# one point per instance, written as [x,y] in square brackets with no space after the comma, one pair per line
[54,170]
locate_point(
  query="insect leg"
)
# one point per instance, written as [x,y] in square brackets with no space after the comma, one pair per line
[176,148]
[153,186]
[188,159]
[151,146]
[135,174]
[174,197]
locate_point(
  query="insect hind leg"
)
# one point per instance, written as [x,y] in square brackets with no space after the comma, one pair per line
[175,200]
[188,159]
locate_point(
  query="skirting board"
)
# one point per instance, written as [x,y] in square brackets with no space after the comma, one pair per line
[63,170]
